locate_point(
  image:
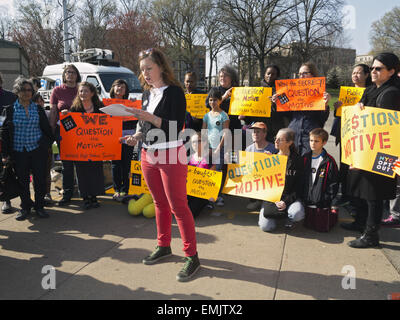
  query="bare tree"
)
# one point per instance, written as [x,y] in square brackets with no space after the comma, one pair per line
[43,43]
[180,23]
[94,17]
[128,34]
[215,31]
[6,24]
[316,23]
[385,33]
[258,25]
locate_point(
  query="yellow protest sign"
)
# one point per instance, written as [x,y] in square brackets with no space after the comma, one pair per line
[257,175]
[203,183]
[349,96]
[251,101]
[137,183]
[196,105]
[369,139]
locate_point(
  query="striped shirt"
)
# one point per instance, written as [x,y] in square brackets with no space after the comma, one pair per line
[27,132]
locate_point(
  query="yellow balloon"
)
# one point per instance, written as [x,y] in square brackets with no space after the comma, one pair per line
[139,205]
[149,211]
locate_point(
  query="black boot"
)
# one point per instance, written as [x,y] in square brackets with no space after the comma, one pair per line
[369,239]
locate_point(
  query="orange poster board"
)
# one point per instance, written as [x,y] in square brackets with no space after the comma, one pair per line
[300,94]
[137,104]
[90,137]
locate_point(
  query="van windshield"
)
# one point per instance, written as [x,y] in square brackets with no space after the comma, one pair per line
[131,80]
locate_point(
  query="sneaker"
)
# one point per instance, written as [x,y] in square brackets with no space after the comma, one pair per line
[158,254]
[220,202]
[391,222]
[23,214]
[116,196]
[290,223]
[94,202]
[254,205]
[87,204]
[210,205]
[64,201]
[192,265]
[7,208]
[121,196]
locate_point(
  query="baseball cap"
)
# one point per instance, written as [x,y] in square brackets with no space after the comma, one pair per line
[259,125]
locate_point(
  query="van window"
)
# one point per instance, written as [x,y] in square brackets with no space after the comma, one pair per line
[131,80]
[93,80]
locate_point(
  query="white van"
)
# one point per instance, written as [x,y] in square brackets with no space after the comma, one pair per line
[102,76]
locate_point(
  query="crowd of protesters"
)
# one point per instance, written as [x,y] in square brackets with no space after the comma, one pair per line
[312,182]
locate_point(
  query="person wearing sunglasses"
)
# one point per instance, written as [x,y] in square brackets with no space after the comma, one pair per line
[361,78]
[163,157]
[371,187]
[26,136]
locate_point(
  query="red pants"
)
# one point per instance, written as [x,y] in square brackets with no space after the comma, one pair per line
[167,185]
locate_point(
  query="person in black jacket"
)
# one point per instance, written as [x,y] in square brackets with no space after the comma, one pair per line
[89,173]
[374,188]
[26,135]
[320,181]
[290,205]
[164,160]
[304,121]
[6,98]
[121,168]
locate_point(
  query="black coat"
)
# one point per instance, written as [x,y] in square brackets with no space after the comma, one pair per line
[364,184]
[326,184]
[293,179]
[172,107]
[6,98]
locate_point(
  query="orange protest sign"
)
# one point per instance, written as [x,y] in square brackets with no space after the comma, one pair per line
[90,137]
[137,104]
[300,94]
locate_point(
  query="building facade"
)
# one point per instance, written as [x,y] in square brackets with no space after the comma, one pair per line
[199,67]
[13,62]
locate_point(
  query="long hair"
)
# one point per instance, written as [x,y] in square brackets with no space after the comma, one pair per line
[366,70]
[116,83]
[166,71]
[77,105]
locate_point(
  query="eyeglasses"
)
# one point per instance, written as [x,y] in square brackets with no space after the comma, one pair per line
[376,68]
[26,90]
[303,73]
[145,52]
[279,139]
[70,72]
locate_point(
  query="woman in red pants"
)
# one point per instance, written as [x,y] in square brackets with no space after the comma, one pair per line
[163,157]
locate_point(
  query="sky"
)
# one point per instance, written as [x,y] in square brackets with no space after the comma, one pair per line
[366,12]
[363,14]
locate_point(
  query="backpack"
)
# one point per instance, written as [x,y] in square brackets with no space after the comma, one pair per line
[9,185]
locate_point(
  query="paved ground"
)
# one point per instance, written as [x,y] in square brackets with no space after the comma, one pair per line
[97,255]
